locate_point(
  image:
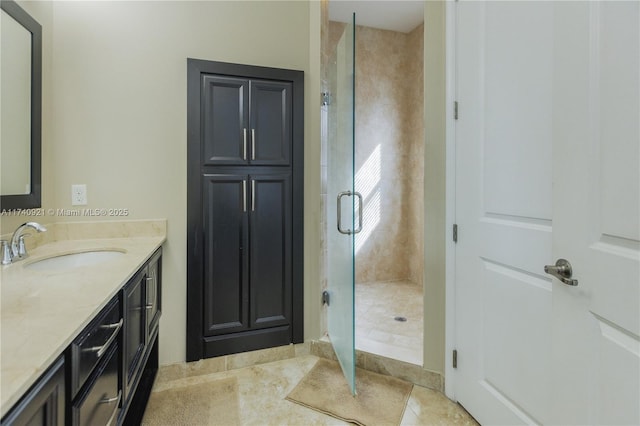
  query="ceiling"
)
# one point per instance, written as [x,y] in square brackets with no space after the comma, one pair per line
[399,15]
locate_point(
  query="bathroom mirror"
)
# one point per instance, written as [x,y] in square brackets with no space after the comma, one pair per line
[20,109]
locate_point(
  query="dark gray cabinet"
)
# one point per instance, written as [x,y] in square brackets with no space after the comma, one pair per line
[247,268]
[141,298]
[95,386]
[99,402]
[270,229]
[246,122]
[245,198]
[134,331]
[44,404]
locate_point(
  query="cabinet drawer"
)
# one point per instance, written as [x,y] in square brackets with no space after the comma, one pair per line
[99,403]
[93,343]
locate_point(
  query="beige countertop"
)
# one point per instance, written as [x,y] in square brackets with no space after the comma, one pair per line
[43,311]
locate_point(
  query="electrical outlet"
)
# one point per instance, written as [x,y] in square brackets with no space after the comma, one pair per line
[79,195]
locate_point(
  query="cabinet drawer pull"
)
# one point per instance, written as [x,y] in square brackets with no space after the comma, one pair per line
[244,143]
[253,195]
[101,349]
[115,410]
[149,279]
[244,195]
[149,306]
[253,144]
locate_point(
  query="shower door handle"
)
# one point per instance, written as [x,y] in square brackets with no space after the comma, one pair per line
[359,195]
[339,212]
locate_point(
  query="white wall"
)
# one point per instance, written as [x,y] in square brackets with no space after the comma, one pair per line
[119,113]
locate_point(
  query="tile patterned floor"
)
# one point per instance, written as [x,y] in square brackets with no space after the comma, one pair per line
[261,392]
[377,332]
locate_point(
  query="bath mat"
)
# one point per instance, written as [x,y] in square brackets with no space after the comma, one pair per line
[209,403]
[380,400]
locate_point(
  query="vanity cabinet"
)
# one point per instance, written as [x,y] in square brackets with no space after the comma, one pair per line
[95,386]
[106,373]
[141,298]
[44,404]
[134,330]
[99,402]
[153,295]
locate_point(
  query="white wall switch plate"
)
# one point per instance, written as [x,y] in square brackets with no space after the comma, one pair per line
[79,195]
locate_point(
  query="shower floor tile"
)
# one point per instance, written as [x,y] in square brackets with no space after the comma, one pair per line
[377,331]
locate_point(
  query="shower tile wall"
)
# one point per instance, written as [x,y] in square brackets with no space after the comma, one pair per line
[389,152]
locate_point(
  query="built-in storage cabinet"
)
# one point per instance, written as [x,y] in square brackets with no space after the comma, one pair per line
[248,251]
[110,365]
[245,198]
[246,121]
[44,403]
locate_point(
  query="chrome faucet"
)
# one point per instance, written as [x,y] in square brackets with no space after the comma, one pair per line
[18,249]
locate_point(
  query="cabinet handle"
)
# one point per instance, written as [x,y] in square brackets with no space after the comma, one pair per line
[244,196]
[100,350]
[109,401]
[150,279]
[244,143]
[253,195]
[253,144]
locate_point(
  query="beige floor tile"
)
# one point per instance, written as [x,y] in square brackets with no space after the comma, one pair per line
[261,390]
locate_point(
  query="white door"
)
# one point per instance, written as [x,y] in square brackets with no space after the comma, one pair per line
[596,215]
[504,53]
[536,79]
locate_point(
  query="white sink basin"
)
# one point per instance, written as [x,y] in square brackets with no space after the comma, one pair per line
[74,260]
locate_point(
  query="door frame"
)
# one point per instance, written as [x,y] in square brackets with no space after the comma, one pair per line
[450,196]
[195,233]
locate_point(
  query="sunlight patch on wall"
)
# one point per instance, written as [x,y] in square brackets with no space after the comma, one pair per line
[367,182]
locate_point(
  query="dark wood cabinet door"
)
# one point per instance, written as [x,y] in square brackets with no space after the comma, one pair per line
[270,250]
[226,292]
[134,330]
[225,111]
[271,116]
[153,294]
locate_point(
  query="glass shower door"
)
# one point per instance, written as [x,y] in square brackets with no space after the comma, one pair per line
[341,201]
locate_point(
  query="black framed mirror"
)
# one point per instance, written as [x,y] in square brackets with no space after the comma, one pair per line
[21,119]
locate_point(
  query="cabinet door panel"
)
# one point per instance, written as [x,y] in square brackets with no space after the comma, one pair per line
[226,295]
[270,122]
[44,405]
[153,294]
[134,330]
[225,118]
[270,245]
